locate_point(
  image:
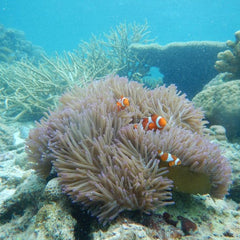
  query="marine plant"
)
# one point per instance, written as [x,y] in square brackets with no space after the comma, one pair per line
[229,60]
[108,165]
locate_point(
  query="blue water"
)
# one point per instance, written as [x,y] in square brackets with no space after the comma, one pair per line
[58,25]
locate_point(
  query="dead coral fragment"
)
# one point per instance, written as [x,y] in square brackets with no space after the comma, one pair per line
[229,60]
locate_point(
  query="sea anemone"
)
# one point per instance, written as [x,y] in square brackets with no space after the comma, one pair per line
[108,166]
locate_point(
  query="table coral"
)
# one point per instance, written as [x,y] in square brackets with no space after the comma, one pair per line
[187,64]
[108,166]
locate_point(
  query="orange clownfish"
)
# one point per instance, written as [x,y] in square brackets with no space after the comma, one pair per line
[122,103]
[154,122]
[170,158]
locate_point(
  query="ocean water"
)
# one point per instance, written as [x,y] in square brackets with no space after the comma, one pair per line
[61,25]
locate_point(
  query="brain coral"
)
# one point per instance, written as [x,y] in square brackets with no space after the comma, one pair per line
[108,166]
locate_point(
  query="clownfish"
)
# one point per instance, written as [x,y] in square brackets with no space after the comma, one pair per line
[170,158]
[154,122]
[122,103]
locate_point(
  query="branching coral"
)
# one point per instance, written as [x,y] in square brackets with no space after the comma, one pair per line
[100,57]
[6,54]
[119,43]
[229,60]
[29,90]
[107,165]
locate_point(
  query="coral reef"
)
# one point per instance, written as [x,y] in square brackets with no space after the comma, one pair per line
[6,137]
[217,132]
[108,166]
[30,209]
[119,43]
[6,55]
[229,60]
[111,54]
[232,152]
[14,46]
[214,219]
[131,230]
[189,65]
[221,105]
[29,89]
[54,222]
[26,91]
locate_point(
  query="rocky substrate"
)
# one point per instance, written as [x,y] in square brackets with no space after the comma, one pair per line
[33,208]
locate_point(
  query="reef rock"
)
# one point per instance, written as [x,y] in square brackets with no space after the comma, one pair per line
[54,222]
[130,230]
[189,65]
[221,106]
[14,46]
[105,161]
[232,152]
[216,132]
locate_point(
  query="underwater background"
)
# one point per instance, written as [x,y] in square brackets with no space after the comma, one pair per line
[61,25]
[119,119]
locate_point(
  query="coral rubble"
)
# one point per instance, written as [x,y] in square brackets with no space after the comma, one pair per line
[108,166]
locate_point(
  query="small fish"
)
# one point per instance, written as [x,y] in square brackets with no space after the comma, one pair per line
[155,122]
[122,103]
[170,158]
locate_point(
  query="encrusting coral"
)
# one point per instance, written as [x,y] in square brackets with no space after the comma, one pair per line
[109,166]
[229,60]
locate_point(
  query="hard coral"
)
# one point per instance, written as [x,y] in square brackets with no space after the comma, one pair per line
[108,166]
[229,60]
[221,106]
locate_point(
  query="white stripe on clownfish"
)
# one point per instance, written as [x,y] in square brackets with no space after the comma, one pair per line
[154,122]
[157,122]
